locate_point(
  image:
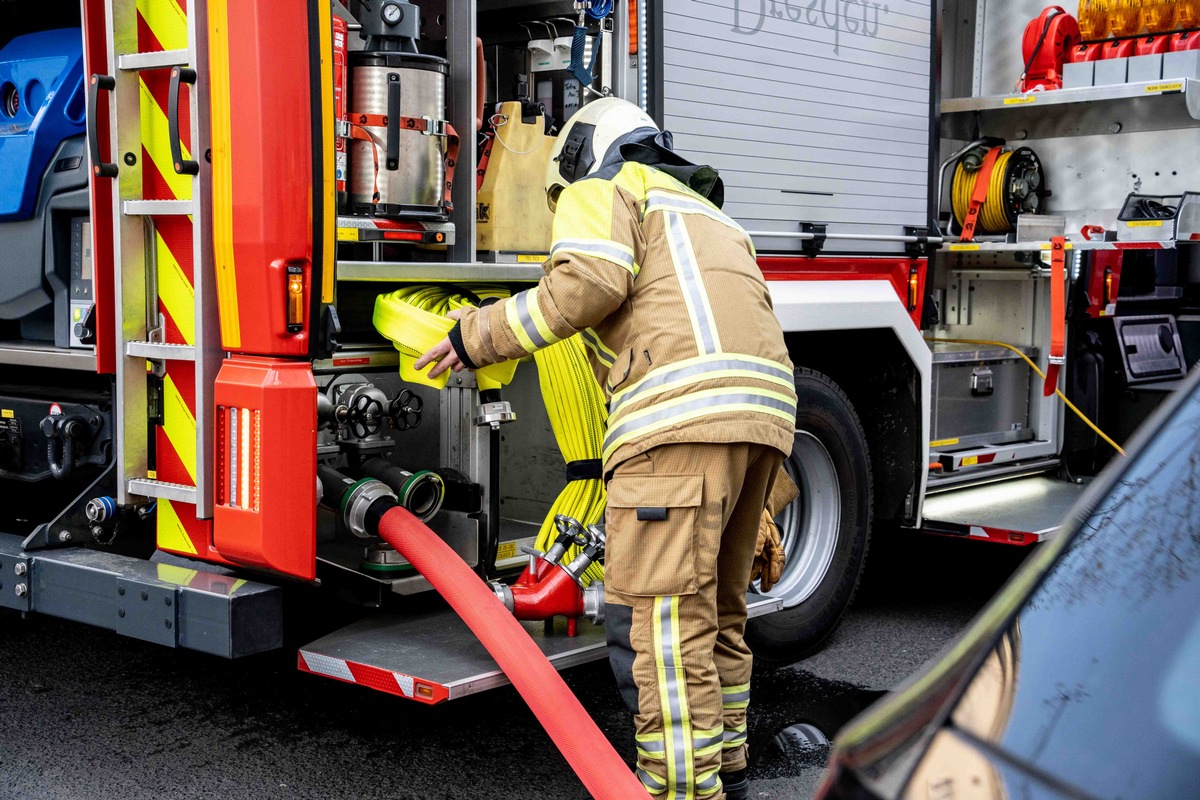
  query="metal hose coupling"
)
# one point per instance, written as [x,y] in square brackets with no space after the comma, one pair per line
[593,602]
[503,594]
[421,492]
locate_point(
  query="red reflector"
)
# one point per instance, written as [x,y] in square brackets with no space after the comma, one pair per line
[404,236]
[1016,537]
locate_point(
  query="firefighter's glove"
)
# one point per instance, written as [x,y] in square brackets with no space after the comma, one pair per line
[768,558]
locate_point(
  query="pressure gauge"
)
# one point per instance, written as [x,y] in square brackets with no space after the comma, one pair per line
[392,13]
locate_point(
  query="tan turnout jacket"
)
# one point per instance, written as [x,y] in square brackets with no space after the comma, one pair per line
[669,299]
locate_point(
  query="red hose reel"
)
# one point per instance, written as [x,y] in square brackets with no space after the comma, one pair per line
[1045,46]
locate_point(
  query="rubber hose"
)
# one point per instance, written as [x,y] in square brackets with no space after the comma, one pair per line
[585,747]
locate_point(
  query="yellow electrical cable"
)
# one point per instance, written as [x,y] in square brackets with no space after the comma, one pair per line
[578,417]
[992,217]
[1041,374]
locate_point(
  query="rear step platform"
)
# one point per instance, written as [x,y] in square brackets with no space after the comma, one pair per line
[1021,511]
[432,656]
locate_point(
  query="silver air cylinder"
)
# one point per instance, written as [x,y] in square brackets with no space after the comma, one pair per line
[413,185]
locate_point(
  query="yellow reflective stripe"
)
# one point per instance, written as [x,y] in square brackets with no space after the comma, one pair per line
[760,404]
[708,782]
[687,204]
[514,324]
[648,737]
[672,687]
[652,783]
[171,534]
[596,345]
[179,425]
[328,176]
[175,291]
[691,284]
[606,249]
[742,687]
[222,177]
[167,21]
[755,364]
[539,321]
[700,378]
[156,138]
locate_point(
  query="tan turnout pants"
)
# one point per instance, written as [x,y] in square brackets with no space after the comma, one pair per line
[682,524]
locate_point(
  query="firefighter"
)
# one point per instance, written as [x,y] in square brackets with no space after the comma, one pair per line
[666,293]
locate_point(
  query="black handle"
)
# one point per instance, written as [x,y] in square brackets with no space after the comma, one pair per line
[179,75]
[393,122]
[99,168]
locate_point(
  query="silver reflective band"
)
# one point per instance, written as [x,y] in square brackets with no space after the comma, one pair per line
[680,410]
[673,713]
[677,374]
[709,784]
[650,781]
[596,247]
[708,741]
[658,201]
[605,356]
[692,283]
[522,303]
[734,738]
[735,697]
[653,749]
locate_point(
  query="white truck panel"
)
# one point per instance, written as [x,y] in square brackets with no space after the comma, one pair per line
[812,110]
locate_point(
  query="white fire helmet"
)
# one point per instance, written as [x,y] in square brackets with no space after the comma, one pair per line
[584,142]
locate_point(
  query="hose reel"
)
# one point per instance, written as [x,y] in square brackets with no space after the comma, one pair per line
[1015,185]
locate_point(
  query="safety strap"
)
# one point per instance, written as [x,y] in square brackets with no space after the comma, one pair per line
[587,469]
[1058,313]
[979,194]
[424,125]
[484,157]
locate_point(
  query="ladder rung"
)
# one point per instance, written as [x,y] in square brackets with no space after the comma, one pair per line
[161,351]
[177,492]
[146,208]
[158,60]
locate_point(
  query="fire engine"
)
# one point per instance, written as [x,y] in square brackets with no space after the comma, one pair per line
[228,229]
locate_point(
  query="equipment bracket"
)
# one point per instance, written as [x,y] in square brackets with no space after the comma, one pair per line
[812,247]
[922,246]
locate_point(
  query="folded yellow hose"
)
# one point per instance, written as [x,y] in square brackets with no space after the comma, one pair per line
[414,319]
[578,417]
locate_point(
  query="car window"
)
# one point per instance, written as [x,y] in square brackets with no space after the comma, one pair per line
[1102,684]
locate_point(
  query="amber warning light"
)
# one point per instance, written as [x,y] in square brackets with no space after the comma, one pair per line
[295,299]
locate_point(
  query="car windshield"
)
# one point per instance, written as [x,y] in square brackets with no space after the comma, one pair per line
[1100,685]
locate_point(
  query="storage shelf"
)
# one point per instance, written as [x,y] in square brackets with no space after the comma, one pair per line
[434,272]
[1092,110]
[952,246]
[30,354]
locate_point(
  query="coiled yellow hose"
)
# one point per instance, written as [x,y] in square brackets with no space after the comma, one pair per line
[992,217]
[578,417]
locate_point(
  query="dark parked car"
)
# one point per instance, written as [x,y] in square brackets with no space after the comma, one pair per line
[1082,678]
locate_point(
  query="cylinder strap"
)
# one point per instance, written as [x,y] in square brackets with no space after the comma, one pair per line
[587,469]
[358,130]
[1058,313]
[979,196]
[484,157]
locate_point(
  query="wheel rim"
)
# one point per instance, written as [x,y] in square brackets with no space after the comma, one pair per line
[809,526]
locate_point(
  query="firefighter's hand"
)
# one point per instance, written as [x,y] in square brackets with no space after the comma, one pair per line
[769,558]
[443,353]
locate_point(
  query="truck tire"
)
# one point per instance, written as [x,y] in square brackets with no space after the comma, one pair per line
[826,530]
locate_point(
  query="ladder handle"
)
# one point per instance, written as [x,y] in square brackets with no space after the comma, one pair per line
[179,75]
[100,168]
[392,154]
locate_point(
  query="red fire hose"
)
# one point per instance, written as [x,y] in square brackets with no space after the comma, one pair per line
[584,746]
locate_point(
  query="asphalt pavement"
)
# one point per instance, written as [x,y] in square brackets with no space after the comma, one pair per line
[85,713]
